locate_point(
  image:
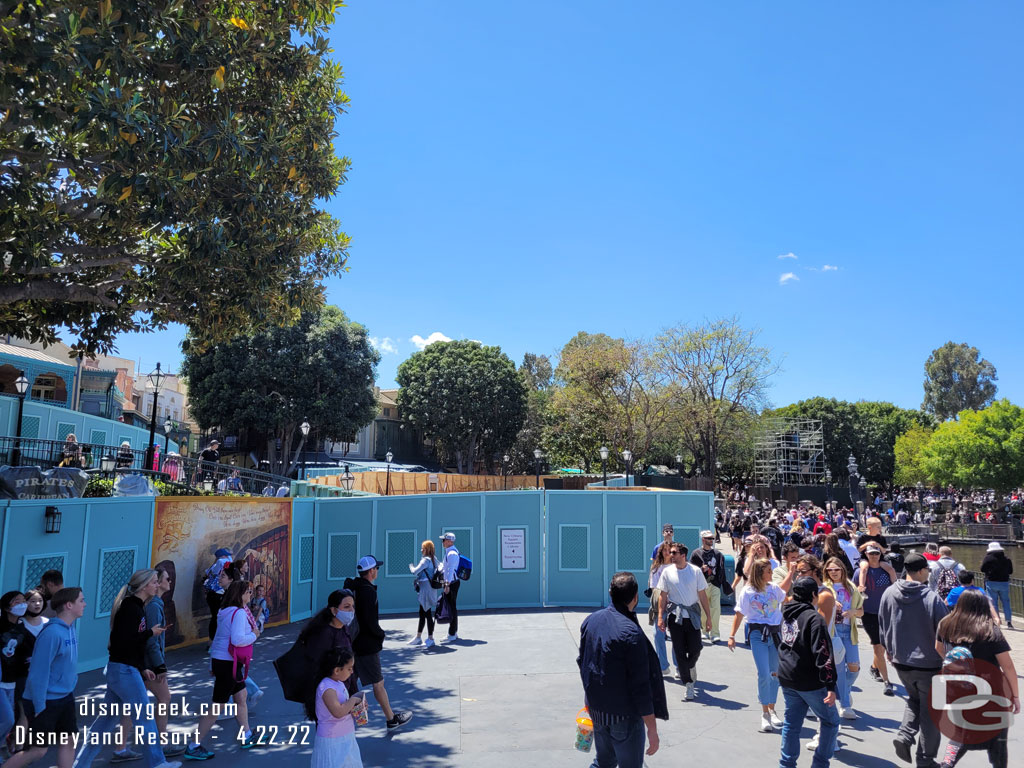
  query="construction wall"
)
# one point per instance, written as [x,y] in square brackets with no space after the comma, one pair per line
[404,483]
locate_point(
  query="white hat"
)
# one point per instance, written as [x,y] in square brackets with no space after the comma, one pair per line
[995,546]
[707,535]
[448,537]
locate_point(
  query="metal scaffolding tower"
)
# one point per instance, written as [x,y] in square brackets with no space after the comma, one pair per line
[790,452]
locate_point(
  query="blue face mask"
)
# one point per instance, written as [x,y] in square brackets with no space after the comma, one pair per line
[345,617]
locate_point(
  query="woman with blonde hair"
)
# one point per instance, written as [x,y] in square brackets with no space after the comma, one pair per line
[761,602]
[126,670]
[422,573]
[849,607]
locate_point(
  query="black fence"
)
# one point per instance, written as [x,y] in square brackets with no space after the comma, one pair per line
[181,470]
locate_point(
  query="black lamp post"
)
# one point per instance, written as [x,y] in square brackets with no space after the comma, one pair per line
[828,488]
[304,428]
[168,426]
[537,453]
[107,465]
[851,471]
[604,464]
[627,456]
[347,480]
[20,384]
[156,378]
[504,474]
[387,478]
[864,493]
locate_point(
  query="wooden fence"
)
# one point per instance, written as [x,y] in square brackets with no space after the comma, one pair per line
[402,483]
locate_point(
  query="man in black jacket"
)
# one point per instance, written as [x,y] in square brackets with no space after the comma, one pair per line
[622,683]
[368,642]
[807,674]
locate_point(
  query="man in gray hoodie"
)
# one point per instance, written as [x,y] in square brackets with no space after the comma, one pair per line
[908,615]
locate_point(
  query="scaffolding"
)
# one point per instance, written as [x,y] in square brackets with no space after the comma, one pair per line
[790,452]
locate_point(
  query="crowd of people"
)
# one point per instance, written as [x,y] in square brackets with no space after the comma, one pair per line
[805,583]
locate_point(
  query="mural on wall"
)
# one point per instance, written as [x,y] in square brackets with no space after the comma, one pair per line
[186,533]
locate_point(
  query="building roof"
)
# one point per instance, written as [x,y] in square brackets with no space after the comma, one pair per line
[32,354]
[388,397]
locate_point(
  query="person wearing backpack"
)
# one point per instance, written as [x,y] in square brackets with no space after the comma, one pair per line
[451,584]
[426,580]
[944,574]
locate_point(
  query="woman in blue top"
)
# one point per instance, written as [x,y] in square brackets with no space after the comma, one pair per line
[874,578]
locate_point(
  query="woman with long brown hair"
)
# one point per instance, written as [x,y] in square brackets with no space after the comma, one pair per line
[849,607]
[661,559]
[968,633]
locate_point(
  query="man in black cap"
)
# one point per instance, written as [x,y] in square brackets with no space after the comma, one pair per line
[807,674]
[369,640]
[908,616]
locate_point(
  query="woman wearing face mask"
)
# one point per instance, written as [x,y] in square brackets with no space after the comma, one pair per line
[34,620]
[16,645]
[332,629]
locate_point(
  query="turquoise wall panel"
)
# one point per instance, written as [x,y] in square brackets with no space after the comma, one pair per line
[303,538]
[575,538]
[513,587]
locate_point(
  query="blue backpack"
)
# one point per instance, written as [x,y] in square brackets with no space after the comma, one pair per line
[465,569]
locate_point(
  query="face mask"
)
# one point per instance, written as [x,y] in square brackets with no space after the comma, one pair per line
[345,617]
[19,610]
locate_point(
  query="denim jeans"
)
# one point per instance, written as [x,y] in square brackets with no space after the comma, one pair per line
[846,677]
[766,659]
[6,712]
[659,646]
[251,689]
[1000,590]
[124,686]
[621,744]
[797,704]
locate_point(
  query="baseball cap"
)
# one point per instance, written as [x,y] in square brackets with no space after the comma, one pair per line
[368,562]
[707,535]
[667,527]
[223,552]
[804,590]
[876,550]
[914,563]
[448,537]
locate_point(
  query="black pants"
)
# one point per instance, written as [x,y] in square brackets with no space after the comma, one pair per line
[213,600]
[453,609]
[917,722]
[426,617]
[686,644]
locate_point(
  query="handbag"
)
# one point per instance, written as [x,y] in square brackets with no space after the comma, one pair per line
[437,579]
[297,672]
[442,614]
[242,657]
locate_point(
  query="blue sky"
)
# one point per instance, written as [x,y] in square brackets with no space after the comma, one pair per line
[521,172]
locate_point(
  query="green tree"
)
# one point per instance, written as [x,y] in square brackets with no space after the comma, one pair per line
[956,378]
[537,376]
[719,375]
[468,398]
[161,162]
[908,456]
[320,369]
[982,449]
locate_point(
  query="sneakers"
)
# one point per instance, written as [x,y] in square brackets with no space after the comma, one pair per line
[198,752]
[248,742]
[902,750]
[251,700]
[173,750]
[125,756]
[450,639]
[766,725]
[889,690]
[400,719]
[876,675]
[691,692]
[429,643]
[776,720]
[847,713]
[813,743]
[666,670]
[416,641]
[169,764]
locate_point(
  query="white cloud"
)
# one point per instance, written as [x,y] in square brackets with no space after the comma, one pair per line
[421,343]
[787,277]
[829,268]
[787,255]
[385,346]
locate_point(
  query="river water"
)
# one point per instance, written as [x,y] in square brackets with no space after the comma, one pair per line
[971,555]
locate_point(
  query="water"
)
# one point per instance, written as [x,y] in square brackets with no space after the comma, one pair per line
[971,555]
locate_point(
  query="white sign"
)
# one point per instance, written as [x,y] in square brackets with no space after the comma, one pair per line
[513,549]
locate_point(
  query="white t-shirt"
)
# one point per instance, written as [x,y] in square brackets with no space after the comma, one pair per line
[656,576]
[764,607]
[682,584]
[35,629]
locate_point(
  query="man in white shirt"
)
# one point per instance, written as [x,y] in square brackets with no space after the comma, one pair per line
[683,596]
[451,585]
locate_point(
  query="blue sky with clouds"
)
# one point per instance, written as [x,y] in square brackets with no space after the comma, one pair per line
[845,177]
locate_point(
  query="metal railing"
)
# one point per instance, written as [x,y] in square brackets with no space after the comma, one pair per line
[980,531]
[181,470]
[1016,593]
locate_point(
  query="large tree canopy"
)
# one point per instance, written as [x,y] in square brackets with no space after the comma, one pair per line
[468,398]
[160,161]
[957,378]
[320,369]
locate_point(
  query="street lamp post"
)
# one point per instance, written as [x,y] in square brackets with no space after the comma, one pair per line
[537,453]
[627,456]
[504,472]
[387,478]
[20,384]
[851,471]
[156,379]
[304,428]
[168,426]
[920,499]
[864,493]
[604,464]
[828,488]
[679,470]
[347,480]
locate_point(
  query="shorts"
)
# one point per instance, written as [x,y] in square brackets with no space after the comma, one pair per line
[225,682]
[57,717]
[368,669]
[870,623]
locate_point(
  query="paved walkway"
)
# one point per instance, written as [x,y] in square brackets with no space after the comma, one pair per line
[508,695]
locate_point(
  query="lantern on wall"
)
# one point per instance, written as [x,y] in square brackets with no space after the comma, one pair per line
[52,518]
